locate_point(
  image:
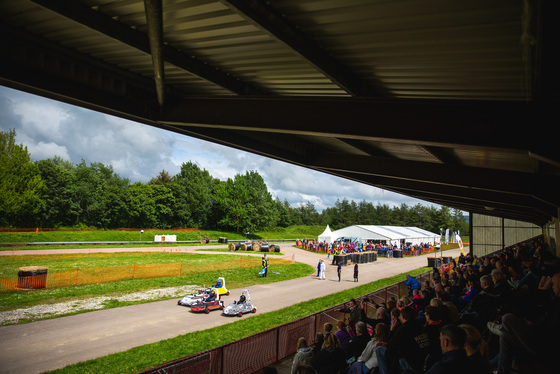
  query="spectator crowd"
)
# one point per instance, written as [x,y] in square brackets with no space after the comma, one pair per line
[496,314]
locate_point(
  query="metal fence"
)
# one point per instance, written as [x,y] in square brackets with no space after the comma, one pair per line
[253,353]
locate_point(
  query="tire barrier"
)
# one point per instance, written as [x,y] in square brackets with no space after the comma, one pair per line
[434,262]
[32,277]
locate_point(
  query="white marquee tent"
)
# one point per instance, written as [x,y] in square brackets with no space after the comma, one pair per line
[395,235]
[326,236]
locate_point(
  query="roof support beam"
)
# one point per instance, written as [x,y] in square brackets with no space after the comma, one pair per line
[496,125]
[266,17]
[154,19]
[104,24]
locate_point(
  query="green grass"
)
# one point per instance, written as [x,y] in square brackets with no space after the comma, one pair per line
[292,232]
[197,266]
[184,345]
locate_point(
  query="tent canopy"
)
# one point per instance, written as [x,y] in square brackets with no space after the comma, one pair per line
[390,234]
[326,236]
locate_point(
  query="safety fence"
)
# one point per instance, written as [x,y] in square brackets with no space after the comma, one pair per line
[80,277]
[253,353]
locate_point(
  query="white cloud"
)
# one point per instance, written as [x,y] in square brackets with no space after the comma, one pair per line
[139,152]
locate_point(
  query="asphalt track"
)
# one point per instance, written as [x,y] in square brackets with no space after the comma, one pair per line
[52,344]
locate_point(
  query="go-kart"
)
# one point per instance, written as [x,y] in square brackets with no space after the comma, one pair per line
[207,306]
[220,287]
[238,308]
[189,300]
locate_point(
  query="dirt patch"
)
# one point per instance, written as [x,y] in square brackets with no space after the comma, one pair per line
[92,303]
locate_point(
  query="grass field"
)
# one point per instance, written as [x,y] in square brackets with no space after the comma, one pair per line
[198,270]
[293,232]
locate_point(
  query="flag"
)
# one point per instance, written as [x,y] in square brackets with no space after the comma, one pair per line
[458,237]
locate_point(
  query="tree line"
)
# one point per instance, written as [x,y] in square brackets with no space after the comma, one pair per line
[58,193]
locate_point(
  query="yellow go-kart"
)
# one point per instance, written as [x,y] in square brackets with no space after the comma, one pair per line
[220,287]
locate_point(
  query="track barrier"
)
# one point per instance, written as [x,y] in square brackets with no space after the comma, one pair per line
[81,277]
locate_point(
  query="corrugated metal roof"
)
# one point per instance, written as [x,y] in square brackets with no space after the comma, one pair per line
[445,101]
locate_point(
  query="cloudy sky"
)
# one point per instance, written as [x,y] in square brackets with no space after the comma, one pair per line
[139,152]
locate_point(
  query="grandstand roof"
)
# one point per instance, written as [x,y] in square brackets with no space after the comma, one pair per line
[449,102]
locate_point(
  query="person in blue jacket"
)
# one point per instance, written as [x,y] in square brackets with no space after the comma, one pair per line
[412,284]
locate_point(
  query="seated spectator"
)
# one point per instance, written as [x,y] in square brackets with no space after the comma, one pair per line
[527,339]
[358,343]
[433,325]
[328,328]
[303,356]
[454,357]
[306,369]
[395,320]
[484,306]
[407,348]
[342,334]
[368,360]
[449,313]
[473,288]
[319,340]
[330,359]
[477,350]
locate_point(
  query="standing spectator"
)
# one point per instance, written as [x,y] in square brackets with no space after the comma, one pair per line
[303,356]
[355,272]
[322,268]
[412,284]
[318,268]
[356,313]
[339,270]
[265,265]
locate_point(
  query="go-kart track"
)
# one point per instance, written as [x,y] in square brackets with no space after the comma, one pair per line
[52,344]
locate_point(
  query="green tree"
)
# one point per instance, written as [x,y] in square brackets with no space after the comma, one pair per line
[162,178]
[21,185]
[98,192]
[60,208]
[231,199]
[195,194]
[259,203]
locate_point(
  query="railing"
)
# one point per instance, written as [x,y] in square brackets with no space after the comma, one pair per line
[251,354]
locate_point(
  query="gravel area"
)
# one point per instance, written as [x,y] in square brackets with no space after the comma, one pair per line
[92,303]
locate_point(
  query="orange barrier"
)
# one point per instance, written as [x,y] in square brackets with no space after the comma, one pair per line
[80,277]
